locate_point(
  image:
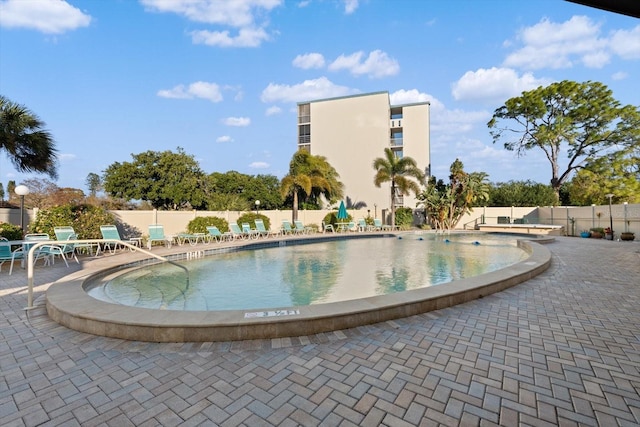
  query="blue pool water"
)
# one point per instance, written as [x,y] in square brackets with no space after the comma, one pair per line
[297,275]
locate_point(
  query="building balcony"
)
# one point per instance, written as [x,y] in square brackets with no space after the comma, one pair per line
[395,142]
[304,139]
[304,119]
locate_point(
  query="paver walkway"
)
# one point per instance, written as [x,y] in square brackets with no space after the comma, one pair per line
[560,349]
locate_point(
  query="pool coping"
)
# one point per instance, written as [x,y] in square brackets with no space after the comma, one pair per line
[68,304]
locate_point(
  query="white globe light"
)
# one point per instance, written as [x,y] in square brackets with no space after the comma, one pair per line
[21,190]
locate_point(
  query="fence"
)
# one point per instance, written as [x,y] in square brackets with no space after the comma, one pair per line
[622,217]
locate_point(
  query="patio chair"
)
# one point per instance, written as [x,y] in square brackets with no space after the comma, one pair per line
[362,225]
[110,232]
[236,232]
[156,234]
[217,235]
[249,232]
[6,254]
[327,227]
[63,232]
[63,250]
[262,230]
[300,228]
[377,224]
[287,228]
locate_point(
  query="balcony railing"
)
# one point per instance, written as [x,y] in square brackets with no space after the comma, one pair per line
[396,142]
[304,119]
[304,139]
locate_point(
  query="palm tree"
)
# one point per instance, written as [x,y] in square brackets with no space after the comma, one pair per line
[399,171]
[310,175]
[28,146]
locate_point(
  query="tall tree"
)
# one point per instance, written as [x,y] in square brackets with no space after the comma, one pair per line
[445,204]
[94,183]
[29,147]
[521,193]
[309,175]
[581,119]
[401,172]
[167,180]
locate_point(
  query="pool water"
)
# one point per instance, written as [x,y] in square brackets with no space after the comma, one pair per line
[306,274]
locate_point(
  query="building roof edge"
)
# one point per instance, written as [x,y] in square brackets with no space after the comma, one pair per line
[344,97]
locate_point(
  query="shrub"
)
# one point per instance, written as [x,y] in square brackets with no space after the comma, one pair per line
[200,224]
[85,220]
[10,231]
[332,218]
[250,217]
[404,217]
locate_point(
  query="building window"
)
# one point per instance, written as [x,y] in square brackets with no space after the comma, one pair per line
[304,134]
[304,113]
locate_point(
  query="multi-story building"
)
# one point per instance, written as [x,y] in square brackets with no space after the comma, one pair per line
[352,131]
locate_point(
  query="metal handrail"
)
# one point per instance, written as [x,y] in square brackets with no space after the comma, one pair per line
[38,244]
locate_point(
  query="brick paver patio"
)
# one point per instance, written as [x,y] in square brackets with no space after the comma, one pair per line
[561,349]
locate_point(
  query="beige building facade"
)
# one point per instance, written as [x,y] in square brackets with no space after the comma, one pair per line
[352,131]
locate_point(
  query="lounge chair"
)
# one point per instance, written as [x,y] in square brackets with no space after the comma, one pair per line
[262,230]
[351,226]
[287,228]
[217,235]
[249,232]
[362,225]
[377,224]
[236,232]
[191,238]
[300,228]
[6,254]
[156,234]
[327,227]
[63,232]
[110,232]
[63,250]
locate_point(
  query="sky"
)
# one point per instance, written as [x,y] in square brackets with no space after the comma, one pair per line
[221,79]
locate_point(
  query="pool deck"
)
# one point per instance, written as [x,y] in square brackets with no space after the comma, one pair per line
[562,348]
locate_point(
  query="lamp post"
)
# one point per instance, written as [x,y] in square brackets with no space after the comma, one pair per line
[22,190]
[375,210]
[257,202]
[610,196]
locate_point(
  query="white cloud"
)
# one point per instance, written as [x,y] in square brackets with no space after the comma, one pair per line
[259,165]
[350,6]
[378,64]
[47,16]
[204,90]
[309,60]
[308,90]
[620,75]
[65,157]
[304,3]
[273,110]
[558,45]
[237,121]
[494,84]
[247,37]
[237,14]
[224,138]
[626,44]
[444,122]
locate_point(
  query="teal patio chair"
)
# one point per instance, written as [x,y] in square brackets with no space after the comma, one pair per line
[63,250]
[287,229]
[249,232]
[110,232]
[300,228]
[236,231]
[217,235]
[6,254]
[63,232]
[262,230]
[362,225]
[377,224]
[156,234]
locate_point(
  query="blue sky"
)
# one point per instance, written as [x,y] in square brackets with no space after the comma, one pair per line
[221,79]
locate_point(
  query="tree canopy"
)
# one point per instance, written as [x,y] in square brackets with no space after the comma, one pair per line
[167,180]
[310,177]
[445,204]
[401,172]
[29,147]
[582,120]
[521,193]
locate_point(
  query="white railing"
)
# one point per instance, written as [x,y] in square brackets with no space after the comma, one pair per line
[33,250]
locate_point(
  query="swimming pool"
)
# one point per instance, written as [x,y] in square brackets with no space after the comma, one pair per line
[309,274]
